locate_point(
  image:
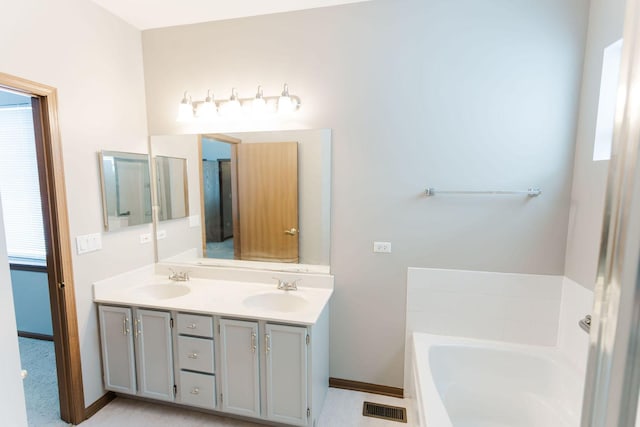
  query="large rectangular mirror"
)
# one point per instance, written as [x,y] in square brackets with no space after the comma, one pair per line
[254,198]
[126,189]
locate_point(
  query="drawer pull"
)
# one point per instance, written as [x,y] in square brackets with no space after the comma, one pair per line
[192,326]
[253,342]
[195,390]
[192,355]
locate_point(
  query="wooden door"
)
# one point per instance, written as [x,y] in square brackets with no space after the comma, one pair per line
[118,360]
[155,354]
[239,366]
[268,201]
[286,351]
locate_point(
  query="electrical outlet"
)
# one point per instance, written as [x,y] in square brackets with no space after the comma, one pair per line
[161,234]
[384,247]
[145,238]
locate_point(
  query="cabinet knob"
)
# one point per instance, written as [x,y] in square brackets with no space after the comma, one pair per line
[192,355]
[195,390]
[192,326]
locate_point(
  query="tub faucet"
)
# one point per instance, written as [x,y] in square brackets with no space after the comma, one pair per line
[178,276]
[585,324]
[283,285]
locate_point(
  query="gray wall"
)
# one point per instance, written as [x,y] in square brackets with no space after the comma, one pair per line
[31,301]
[450,94]
[606,20]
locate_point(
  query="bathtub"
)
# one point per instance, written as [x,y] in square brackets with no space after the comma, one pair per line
[463,382]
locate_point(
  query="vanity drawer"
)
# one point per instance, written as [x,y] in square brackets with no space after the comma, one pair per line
[193,324]
[195,354]
[198,389]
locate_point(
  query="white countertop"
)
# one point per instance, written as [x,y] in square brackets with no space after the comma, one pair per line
[217,296]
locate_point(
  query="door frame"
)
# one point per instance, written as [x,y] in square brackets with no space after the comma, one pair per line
[235,213]
[58,242]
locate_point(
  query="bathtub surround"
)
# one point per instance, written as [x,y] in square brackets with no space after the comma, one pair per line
[448,94]
[517,308]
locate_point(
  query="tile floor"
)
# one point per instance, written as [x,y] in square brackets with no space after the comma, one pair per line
[342,408]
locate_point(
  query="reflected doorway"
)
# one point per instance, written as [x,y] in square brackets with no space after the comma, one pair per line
[217,199]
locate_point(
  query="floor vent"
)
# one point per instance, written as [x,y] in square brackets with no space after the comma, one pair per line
[386,412]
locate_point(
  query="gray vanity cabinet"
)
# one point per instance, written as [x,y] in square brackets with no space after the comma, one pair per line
[282,352]
[118,360]
[240,367]
[154,354]
[286,373]
[137,338]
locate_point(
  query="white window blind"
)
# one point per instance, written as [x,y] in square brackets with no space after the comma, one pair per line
[19,186]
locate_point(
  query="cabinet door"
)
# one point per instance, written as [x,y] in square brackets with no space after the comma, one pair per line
[155,358]
[286,352]
[118,360]
[240,373]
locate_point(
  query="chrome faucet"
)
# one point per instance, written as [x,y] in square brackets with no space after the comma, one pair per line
[178,276]
[283,285]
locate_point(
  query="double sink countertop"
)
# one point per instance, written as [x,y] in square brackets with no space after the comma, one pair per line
[220,291]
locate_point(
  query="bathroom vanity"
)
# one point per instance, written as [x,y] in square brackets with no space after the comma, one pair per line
[240,346]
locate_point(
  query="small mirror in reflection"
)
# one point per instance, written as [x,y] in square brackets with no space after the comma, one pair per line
[172,189]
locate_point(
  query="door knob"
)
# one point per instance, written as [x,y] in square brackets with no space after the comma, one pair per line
[291,232]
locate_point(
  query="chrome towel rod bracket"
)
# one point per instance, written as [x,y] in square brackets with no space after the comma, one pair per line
[530,192]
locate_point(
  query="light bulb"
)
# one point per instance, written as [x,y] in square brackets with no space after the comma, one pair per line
[207,110]
[232,107]
[285,103]
[259,105]
[185,109]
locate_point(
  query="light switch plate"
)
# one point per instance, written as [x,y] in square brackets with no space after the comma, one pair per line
[161,234]
[145,238]
[88,243]
[384,247]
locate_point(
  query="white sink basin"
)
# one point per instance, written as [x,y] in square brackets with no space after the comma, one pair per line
[163,291]
[281,301]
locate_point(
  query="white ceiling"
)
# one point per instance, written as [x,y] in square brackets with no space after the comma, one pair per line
[145,14]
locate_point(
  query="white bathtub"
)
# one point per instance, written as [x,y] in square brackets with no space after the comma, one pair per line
[463,382]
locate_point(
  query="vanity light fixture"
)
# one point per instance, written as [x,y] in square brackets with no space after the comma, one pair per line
[235,107]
